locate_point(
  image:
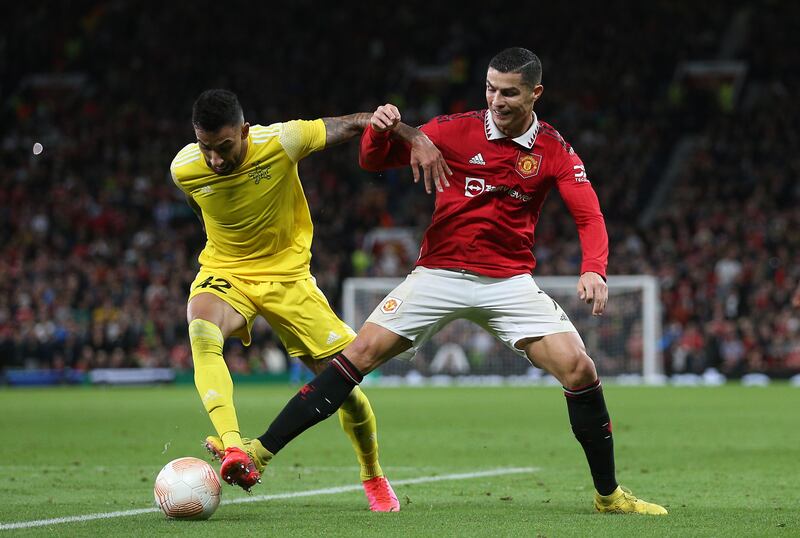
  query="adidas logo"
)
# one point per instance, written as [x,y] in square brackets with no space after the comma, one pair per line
[332,337]
[477,159]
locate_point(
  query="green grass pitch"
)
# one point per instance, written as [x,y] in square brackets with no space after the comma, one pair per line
[725,461]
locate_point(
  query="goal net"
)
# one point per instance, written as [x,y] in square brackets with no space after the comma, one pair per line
[623,342]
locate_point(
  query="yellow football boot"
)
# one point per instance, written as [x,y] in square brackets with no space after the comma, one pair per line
[622,501]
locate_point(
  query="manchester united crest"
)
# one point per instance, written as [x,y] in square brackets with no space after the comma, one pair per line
[390,305]
[528,164]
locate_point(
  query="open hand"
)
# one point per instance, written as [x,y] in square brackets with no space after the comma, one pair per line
[425,155]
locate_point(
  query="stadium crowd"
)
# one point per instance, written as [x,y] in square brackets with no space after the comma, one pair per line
[97,247]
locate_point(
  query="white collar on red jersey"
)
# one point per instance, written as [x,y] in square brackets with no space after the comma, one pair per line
[525,140]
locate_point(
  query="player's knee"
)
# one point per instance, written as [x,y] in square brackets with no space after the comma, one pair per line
[199,310]
[580,371]
[363,353]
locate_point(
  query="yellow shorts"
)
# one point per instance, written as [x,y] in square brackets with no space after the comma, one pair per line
[297,311]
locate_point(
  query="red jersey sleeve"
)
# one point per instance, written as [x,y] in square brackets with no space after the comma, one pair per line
[380,151]
[581,200]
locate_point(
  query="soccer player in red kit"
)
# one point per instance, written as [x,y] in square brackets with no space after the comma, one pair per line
[476,260]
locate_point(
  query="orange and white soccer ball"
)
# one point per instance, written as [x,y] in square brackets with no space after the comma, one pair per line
[187,488]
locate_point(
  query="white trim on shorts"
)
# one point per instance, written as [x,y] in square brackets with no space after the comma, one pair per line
[511,309]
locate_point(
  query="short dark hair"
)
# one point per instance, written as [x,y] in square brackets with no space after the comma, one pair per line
[519,60]
[215,109]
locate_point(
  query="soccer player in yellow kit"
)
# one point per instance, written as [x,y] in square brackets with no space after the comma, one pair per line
[242,182]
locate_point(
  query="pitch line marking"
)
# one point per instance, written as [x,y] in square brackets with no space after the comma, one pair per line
[274,496]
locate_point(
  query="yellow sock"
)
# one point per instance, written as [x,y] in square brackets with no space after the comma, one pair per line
[358,422]
[213,380]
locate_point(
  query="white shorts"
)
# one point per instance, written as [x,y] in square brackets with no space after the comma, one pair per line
[511,309]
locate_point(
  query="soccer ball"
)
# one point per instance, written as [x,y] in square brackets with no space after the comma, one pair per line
[187,488]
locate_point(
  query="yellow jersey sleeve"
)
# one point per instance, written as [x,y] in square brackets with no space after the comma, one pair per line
[187,159]
[301,137]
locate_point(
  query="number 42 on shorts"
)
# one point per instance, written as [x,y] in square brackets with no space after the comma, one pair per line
[216,283]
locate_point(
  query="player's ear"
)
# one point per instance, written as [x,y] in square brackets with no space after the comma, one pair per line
[538,90]
[245,129]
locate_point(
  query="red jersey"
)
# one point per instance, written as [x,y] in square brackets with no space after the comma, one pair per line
[485,221]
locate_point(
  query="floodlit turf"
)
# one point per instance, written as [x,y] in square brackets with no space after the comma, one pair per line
[725,461]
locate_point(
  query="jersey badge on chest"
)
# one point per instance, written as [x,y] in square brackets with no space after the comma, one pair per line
[528,164]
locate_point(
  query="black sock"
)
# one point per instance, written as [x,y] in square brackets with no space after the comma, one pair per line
[592,428]
[314,402]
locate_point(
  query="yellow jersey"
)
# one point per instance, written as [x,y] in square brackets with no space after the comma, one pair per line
[256,218]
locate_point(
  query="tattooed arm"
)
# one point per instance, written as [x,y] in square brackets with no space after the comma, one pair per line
[378,151]
[423,154]
[343,128]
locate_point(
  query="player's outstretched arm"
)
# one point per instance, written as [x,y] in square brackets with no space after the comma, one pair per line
[389,143]
[343,128]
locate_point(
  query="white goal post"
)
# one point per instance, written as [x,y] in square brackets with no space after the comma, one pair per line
[624,342]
